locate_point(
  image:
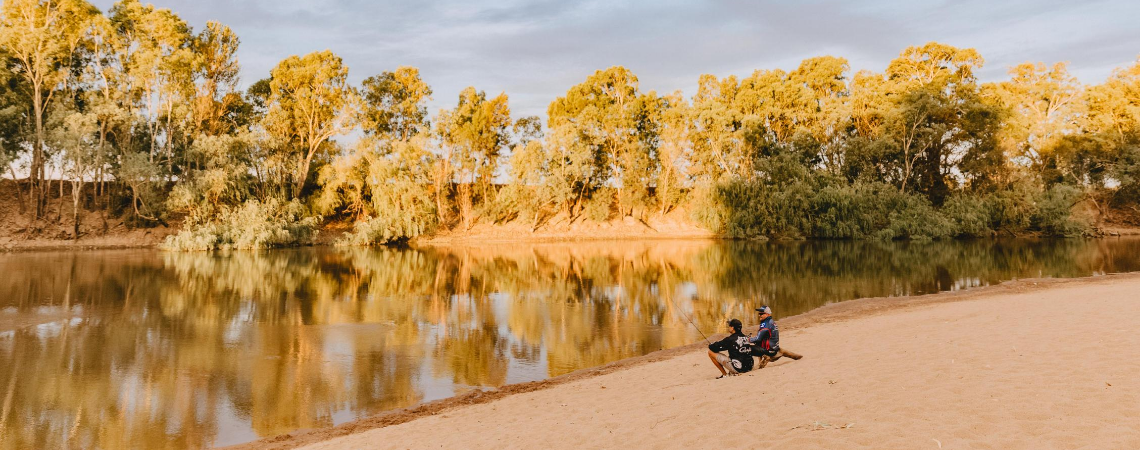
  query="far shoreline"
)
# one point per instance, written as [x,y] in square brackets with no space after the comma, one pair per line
[153,241]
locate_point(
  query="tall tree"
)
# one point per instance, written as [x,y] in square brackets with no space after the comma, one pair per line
[473,134]
[675,148]
[155,50]
[14,100]
[394,104]
[826,117]
[216,72]
[1044,104]
[384,181]
[935,87]
[1113,107]
[717,136]
[42,37]
[76,135]
[613,119]
[309,102]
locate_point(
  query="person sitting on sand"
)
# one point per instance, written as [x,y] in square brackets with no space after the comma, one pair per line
[766,343]
[739,358]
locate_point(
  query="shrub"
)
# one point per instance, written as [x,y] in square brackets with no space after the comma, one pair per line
[1010,209]
[849,211]
[251,225]
[510,202]
[390,229]
[599,207]
[913,217]
[968,215]
[1054,213]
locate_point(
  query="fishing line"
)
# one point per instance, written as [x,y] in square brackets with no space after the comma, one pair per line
[690,320]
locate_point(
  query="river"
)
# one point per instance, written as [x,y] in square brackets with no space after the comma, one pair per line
[149,349]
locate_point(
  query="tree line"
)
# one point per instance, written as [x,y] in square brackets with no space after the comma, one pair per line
[142,117]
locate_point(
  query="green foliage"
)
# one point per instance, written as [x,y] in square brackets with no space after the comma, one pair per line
[222,179]
[384,183]
[1127,172]
[309,103]
[389,229]
[252,225]
[879,211]
[599,207]
[968,216]
[1053,214]
[138,171]
[1010,210]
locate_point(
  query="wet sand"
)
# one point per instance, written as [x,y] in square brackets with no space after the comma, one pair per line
[1027,364]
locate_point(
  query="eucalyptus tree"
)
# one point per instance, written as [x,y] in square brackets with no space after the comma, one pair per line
[1113,109]
[613,121]
[717,135]
[218,151]
[76,135]
[216,73]
[826,117]
[155,51]
[914,118]
[384,181]
[528,193]
[772,106]
[108,97]
[675,148]
[309,102]
[574,168]
[941,102]
[1114,106]
[1044,103]
[42,37]
[473,134]
[394,104]
[1096,146]
[14,99]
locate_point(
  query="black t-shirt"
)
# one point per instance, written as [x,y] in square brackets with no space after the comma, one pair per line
[738,349]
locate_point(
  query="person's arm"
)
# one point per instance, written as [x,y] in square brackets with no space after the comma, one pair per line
[761,336]
[721,345]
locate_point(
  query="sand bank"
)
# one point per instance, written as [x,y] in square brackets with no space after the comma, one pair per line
[1028,364]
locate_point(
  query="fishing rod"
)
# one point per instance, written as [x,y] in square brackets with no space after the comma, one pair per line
[690,320]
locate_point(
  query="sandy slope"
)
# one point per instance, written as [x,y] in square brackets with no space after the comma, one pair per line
[1012,368]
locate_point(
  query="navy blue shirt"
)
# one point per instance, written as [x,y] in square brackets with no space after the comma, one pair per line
[768,336]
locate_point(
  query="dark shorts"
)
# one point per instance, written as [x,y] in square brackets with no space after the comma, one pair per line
[758,352]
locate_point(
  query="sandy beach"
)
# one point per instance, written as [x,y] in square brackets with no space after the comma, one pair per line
[1024,365]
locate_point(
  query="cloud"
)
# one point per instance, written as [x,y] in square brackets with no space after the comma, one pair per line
[535,50]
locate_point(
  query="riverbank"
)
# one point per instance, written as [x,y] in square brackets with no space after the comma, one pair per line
[99,230]
[675,225]
[1020,365]
[56,236]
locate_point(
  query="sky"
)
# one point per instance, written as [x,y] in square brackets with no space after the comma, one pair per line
[535,50]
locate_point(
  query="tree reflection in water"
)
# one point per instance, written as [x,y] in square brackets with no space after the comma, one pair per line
[117,349]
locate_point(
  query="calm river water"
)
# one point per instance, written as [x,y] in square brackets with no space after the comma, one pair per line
[147,349]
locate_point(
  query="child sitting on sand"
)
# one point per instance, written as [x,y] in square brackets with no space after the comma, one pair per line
[766,343]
